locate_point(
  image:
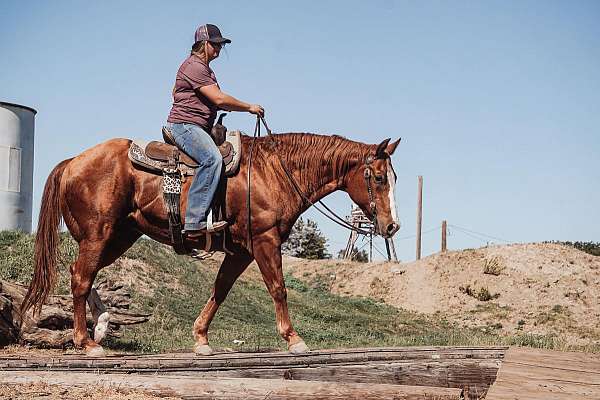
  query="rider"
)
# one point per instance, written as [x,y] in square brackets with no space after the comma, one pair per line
[196,99]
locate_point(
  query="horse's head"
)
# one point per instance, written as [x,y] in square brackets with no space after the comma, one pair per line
[371,186]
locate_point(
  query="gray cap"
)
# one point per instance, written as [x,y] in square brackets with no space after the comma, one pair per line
[211,33]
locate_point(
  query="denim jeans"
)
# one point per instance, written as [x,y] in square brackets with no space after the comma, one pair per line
[199,145]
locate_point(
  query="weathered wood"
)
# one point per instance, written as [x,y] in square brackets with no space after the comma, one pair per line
[470,368]
[444,234]
[8,332]
[419,215]
[542,374]
[474,377]
[230,388]
[53,326]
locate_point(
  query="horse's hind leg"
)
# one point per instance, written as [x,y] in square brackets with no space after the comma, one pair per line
[93,256]
[83,273]
[99,313]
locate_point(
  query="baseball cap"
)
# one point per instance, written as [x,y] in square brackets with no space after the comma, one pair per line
[210,33]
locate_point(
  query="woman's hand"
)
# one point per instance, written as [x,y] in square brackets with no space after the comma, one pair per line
[256,110]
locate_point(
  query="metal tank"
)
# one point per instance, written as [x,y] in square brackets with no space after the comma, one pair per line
[16,166]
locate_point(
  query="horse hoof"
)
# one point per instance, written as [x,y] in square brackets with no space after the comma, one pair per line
[299,348]
[101,327]
[96,351]
[203,350]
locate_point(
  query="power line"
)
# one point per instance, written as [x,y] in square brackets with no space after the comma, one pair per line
[466,231]
[472,236]
[422,233]
[379,251]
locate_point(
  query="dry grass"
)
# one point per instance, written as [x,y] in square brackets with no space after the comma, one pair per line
[42,390]
[493,266]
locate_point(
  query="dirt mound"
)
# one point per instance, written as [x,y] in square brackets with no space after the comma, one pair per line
[546,289]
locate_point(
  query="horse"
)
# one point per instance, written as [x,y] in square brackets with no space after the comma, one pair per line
[107,203]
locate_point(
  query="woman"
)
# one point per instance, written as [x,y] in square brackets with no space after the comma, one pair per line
[196,99]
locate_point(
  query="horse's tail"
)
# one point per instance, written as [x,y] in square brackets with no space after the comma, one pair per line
[46,243]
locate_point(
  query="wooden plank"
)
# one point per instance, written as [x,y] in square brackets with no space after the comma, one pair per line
[228,388]
[469,368]
[473,376]
[543,374]
[254,360]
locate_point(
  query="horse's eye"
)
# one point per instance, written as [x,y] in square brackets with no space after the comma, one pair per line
[379,179]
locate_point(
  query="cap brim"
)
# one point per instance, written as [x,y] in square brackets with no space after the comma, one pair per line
[219,40]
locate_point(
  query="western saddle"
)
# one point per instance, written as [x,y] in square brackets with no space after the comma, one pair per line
[174,164]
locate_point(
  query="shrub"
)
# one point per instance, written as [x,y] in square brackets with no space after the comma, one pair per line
[482,295]
[492,266]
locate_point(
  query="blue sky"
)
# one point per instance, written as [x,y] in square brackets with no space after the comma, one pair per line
[497,102]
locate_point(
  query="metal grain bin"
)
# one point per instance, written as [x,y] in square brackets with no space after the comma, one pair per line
[16,166]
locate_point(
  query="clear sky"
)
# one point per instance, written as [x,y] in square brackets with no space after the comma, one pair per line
[497,102]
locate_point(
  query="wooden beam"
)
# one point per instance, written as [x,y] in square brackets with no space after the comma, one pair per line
[530,374]
[233,388]
[471,368]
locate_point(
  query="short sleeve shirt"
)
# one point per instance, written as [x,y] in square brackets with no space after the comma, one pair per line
[189,105]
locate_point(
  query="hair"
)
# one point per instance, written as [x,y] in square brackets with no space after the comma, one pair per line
[199,48]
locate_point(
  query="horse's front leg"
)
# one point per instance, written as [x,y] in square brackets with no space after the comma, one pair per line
[232,267]
[267,252]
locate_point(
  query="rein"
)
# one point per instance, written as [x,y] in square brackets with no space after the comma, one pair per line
[332,215]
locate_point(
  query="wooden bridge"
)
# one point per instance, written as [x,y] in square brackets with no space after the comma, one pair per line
[380,373]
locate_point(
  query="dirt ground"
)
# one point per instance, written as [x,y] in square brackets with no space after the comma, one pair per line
[56,392]
[528,288]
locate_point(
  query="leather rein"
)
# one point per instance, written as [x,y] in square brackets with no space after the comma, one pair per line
[368,174]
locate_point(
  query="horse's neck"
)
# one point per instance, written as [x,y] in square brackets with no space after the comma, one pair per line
[313,183]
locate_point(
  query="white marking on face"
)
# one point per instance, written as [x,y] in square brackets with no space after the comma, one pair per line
[391,177]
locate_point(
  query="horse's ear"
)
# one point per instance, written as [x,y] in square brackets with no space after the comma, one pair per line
[392,147]
[380,152]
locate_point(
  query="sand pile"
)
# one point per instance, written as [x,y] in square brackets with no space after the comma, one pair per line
[534,288]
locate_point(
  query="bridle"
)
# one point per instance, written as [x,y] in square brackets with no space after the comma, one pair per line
[368,174]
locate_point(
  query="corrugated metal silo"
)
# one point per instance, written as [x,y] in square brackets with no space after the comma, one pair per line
[16,166]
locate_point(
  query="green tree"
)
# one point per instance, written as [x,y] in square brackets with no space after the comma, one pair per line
[592,248]
[360,256]
[306,241]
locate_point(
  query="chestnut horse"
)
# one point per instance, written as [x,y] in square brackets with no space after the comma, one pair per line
[108,203]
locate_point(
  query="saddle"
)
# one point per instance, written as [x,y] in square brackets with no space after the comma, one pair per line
[157,156]
[174,164]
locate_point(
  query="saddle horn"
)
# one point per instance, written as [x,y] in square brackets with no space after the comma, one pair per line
[219,131]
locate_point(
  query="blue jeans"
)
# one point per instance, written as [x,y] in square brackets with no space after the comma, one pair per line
[199,145]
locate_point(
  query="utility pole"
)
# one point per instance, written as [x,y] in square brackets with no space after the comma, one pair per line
[419,215]
[444,228]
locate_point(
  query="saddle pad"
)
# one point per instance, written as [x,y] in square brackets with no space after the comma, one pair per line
[230,150]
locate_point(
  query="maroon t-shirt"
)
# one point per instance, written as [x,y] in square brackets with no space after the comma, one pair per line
[189,105]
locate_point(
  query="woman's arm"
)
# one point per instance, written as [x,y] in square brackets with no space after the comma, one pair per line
[227,102]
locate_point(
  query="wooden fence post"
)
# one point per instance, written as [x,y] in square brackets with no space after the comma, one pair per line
[419,215]
[444,227]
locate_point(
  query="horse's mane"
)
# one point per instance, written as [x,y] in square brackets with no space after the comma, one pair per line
[316,156]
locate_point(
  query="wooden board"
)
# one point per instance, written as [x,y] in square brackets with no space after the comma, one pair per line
[542,374]
[470,368]
[229,388]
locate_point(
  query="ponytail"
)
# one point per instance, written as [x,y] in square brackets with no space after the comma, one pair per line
[199,49]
